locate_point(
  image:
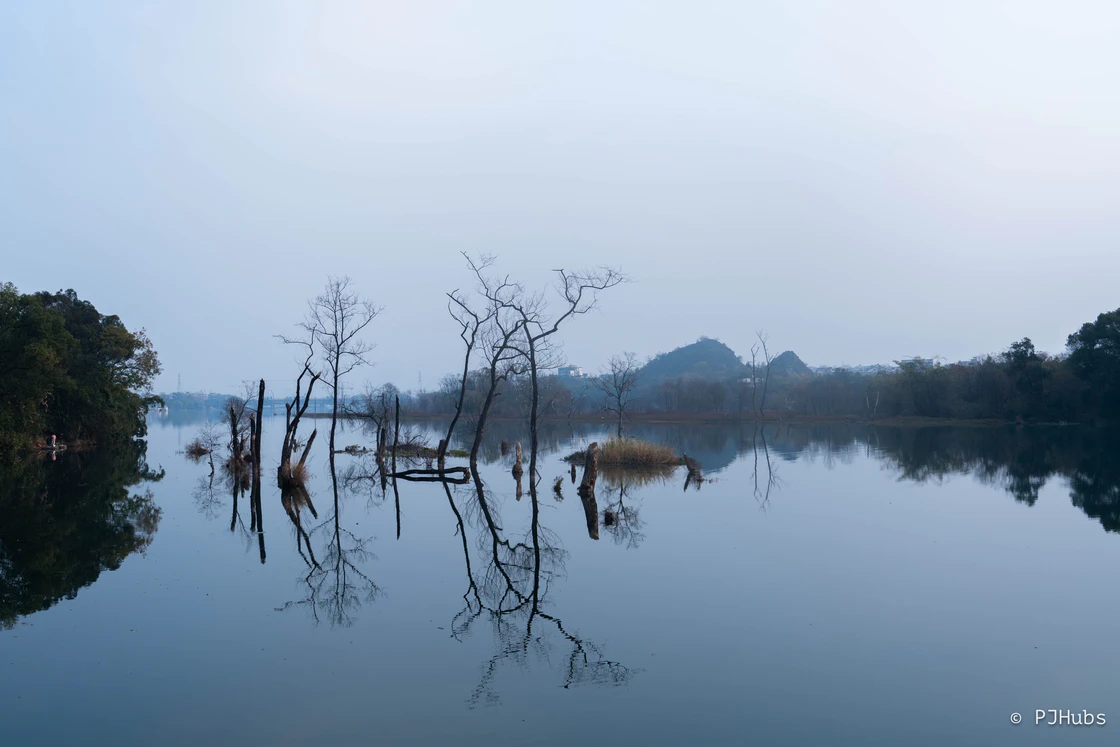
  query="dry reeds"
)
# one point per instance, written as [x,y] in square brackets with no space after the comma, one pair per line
[195,451]
[299,475]
[632,453]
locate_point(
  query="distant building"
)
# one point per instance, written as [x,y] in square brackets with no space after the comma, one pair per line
[570,372]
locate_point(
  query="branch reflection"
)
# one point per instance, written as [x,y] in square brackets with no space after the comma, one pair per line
[508,586]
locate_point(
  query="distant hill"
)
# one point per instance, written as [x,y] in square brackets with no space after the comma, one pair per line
[711,359]
[704,359]
[788,363]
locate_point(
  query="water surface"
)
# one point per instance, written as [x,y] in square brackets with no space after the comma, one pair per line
[834,585]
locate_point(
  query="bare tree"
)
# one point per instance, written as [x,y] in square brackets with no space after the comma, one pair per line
[375,406]
[580,294]
[335,319]
[286,474]
[767,359]
[503,360]
[471,324]
[754,380]
[492,331]
[208,440]
[617,382]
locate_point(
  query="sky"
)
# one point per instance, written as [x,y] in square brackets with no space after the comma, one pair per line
[864,181]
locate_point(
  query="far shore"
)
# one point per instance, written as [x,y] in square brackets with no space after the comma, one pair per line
[770,418]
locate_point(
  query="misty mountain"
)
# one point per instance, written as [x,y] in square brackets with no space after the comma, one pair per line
[710,359]
[788,363]
[704,359]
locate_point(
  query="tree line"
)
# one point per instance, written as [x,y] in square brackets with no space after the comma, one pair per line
[1020,383]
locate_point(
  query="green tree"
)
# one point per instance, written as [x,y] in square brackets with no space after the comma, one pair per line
[1094,355]
[34,348]
[67,369]
[1028,373]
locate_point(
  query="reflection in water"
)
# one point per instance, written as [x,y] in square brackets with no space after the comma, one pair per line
[762,494]
[294,499]
[507,579]
[1020,460]
[511,593]
[337,587]
[621,518]
[509,573]
[66,521]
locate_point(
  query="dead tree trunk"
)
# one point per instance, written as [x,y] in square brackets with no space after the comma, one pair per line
[590,470]
[234,440]
[396,433]
[285,475]
[255,456]
[517,470]
[587,490]
[695,474]
[257,435]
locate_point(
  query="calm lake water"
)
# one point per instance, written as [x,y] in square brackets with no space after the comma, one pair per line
[831,586]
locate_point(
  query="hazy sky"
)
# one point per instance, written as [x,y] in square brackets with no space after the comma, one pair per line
[863,180]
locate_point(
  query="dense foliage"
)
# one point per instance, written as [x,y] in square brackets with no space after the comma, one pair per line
[67,369]
[1019,383]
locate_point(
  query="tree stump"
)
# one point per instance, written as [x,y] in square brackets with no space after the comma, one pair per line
[517,470]
[590,470]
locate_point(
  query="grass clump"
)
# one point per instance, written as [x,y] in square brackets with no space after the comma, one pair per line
[631,453]
[195,450]
[300,474]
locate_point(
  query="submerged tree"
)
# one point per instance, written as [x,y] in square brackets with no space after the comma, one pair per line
[579,293]
[335,320]
[513,330]
[493,332]
[471,325]
[767,360]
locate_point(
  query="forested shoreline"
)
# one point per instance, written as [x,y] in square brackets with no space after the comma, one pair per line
[69,371]
[66,369]
[1019,384]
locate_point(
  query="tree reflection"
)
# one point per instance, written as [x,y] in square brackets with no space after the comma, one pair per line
[621,518]
[337,587]
[66,521]
[206,500]
[1020,460]
[507,587]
